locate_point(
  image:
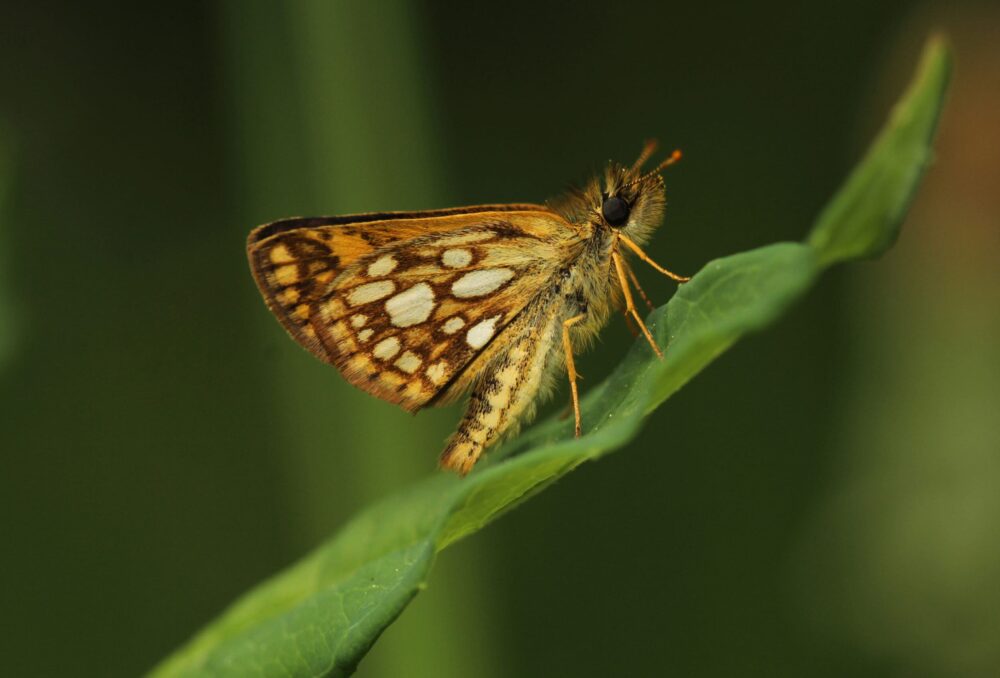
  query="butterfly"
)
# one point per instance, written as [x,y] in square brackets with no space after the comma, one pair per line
[419,308]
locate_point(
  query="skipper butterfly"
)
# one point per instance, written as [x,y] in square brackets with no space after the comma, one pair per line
[417,308]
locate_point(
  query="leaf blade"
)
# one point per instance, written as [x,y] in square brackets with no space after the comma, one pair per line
[864,219]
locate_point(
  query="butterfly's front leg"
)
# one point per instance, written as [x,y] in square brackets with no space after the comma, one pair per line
[508,389]
[630,304]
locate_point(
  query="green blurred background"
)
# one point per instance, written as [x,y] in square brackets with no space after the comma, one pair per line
[824,501]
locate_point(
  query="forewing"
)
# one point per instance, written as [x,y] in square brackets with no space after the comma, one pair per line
[295,260]
[403,317]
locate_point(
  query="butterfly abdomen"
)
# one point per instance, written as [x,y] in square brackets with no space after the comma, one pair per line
[508,390]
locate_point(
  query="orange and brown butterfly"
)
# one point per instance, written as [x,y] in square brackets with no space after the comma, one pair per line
[417,308]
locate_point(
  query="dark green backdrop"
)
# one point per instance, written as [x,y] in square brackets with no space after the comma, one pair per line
[821,502]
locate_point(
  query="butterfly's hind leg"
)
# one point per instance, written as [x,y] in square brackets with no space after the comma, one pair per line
[571,368]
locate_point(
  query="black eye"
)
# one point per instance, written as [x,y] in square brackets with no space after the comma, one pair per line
[615,211]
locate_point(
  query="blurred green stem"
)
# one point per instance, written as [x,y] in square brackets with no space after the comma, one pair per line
[8,323]
[330,123]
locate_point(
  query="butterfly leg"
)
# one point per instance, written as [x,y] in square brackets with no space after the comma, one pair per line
[571,368]
[645,257]
[635,281]
[630,303]
[638,287]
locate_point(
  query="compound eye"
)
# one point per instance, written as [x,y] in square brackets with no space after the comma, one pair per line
[615,211]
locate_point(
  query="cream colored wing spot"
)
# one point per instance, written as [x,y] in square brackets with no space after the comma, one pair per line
[456,258]
[478,283]
[436,372]
[369,292]
[333,309]
[453,324]
[280,255]
[358,320]
[286,275]
[384,265]
[480,333]
[365,335]
[412,306]
[386,348]
[408,362]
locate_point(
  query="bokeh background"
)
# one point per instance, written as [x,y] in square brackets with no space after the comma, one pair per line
[823,501]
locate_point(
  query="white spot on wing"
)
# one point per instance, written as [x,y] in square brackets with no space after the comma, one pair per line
[453,324]
[386,348]
[384,265]
[478,283]
[412,306]
[369,292]
[358,320]
[365,335]
[408,362]
[480,333]
[457,258]
[436,372]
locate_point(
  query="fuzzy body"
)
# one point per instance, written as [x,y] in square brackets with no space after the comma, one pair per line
[521,376]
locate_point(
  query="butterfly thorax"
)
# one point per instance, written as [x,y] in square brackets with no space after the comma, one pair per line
[622,201]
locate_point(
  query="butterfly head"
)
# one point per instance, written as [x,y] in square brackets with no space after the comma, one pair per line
[630,200]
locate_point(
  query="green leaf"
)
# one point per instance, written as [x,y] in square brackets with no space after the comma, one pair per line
[863,219]
[320,617]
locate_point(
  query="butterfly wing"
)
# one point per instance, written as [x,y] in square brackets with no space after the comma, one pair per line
[294,260]
[402,303]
